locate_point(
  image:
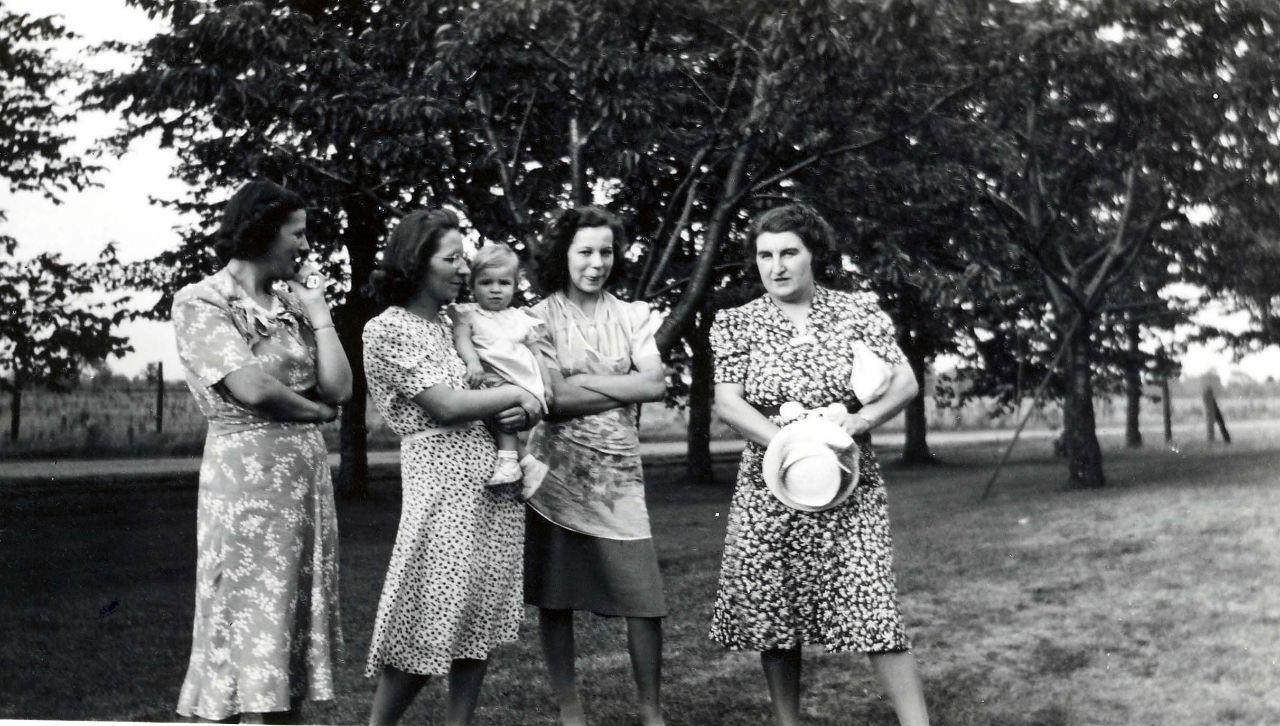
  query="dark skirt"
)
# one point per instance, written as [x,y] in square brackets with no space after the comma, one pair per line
[567,570]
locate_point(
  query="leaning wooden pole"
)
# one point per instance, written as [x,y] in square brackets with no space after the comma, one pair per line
[1035,401]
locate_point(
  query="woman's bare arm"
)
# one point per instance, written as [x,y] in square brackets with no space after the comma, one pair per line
[734,410]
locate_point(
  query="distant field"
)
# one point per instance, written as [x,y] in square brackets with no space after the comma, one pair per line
[1150,603]
[117,422]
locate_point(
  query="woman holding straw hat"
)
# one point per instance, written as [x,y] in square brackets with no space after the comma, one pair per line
[808,557]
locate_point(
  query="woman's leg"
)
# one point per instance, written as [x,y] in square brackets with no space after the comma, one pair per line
[293,715]
[465,677]
[782,674]
[901,683]
[556,630]
[644,641]
[396,690]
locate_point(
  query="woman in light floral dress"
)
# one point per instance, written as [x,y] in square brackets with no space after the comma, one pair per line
[588,546]
[791,578]
[265,365]
[452,592]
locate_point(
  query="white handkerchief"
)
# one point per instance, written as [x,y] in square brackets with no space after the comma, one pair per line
[870,378]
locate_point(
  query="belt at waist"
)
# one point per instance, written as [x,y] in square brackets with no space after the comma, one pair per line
[426,433]
[771,411]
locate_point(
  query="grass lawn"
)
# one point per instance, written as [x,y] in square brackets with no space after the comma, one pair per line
[1151,602]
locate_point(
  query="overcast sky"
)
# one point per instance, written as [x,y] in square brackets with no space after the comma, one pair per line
[119,209]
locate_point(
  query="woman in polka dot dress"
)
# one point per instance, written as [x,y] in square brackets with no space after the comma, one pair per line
[788,577]
[453,587]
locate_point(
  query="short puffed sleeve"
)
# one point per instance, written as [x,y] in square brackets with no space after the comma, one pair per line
[533,330]
[540,340]
[877,330]
[404,356]
[642,326]
[209,344]
[729,347]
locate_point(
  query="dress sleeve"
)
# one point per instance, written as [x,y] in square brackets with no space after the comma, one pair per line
[408,361]
[879,333]
[729,347]
[209,344]
[643,324]
[540,340]
[534,329]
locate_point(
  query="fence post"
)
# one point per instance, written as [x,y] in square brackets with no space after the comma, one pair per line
[1168,410]
[160,397]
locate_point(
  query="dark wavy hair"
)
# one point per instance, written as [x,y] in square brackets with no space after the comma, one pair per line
[807,224]
[551,258]
[412,243]
[252,219]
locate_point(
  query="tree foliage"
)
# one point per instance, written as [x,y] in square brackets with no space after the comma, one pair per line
[50,327]
[1115,121]
[1013,179]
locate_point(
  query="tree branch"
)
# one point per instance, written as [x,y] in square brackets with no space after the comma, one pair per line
[1117,246]
[673,241]
[856,146]
[518,214]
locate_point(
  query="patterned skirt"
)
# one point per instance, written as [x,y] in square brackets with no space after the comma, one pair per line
[266,626]
[791,578]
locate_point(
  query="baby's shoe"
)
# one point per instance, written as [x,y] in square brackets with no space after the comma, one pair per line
[507,471]
[534,472]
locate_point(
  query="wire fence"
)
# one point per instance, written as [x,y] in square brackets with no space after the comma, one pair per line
[140,420]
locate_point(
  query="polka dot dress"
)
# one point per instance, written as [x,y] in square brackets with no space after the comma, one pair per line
[790,578]
[453,587]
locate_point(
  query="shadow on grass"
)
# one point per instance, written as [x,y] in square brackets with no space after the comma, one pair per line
[1148,602]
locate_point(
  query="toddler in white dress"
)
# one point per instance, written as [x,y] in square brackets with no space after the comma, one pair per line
[492,336]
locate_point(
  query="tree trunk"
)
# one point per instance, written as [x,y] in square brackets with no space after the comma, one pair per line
[701,390]
[1133,388]
[15,411]
[1079,429]
[916,448]
[364,228]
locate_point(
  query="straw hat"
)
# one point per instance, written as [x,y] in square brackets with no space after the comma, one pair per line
[811,465]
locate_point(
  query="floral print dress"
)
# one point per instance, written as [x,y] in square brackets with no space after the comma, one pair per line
[790,578]
[266,626]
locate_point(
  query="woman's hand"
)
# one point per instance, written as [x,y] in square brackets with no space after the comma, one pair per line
[309,295]
[530,404]
[515,419]
[324,412]
[855,424]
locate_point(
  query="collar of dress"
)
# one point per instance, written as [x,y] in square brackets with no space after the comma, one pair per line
[249,312]
[605,300]
[818,308]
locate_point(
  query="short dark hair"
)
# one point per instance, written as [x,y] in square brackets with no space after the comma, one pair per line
[805,222]
[413,242]
[252,219]
[551,258]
